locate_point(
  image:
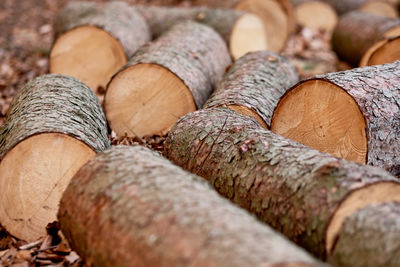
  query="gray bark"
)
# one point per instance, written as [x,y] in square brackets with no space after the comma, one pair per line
[118,18]
[291,187]
[128,206]
[357,31]
[256,81]
[55,103]
[192,51]
[370,237]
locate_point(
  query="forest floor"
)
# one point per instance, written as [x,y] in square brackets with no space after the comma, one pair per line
[26,35]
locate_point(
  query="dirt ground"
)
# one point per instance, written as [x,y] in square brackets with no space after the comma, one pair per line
[26,35]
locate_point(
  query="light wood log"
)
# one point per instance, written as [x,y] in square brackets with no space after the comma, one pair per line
[243,32]
[165,80]
[315,14]
[54,125]
[299,191]
[130,207]
[373,236]
[382,52]
[352,114]
[277,15]
[357,32]
[254,84]
[94,40]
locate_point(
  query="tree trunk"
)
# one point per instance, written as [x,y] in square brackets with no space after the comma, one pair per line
[255,83]
[54,125]
[165,80]
[380,225]
[152,213]
[377,7]
[243,32]
[299,191]
[315,14]
[382,52]
[277,16]
[352,114]
[357,31]
[94,40]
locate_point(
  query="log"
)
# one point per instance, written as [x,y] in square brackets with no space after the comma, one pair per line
[373,234]
[299,191]
[315,14]
[55,124]
[152,213]
[352,114]
[165,80]
[357,32]
[277,15]
[386,8]
[382,52]
[254,84]
[94,40]
[243,32]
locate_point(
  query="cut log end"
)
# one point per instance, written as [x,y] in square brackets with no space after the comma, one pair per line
[374,194]
[146,99]
[325,117]
[249,112]
[89,54]
[385,51]
[248,35]
[33,176]
[275,20]
[381,8]
[316,15]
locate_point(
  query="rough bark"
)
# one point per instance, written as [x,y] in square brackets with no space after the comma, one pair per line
[55,103]
[119,19]
[192,51]
[291,187]
[372,237]
[357,31]
[160,19]
[256,81]
[375,89]
[152,213]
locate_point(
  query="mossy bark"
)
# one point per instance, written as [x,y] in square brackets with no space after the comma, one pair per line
[117,18]
[128,206]
[370,237]
[376,91]
[193,52]
[256,81]
[291,187]
[357,31]
[55,103]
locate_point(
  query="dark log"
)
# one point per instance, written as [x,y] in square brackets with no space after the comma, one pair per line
[55,124]
[352,114]
[385,8]
[243,32]
[130,207]
[299,191]
[277,15]
[165,80]
[254,84]
[94,40]
[373,236]
[357,31]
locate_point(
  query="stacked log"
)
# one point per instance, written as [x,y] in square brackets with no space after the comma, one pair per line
[352,114]
[315,14]
[356,36]
[386,8]
[152,213]
[94,40]
[254,84]
[303,193]
[55,125]
[243,32]
[165,80]
[277,16]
